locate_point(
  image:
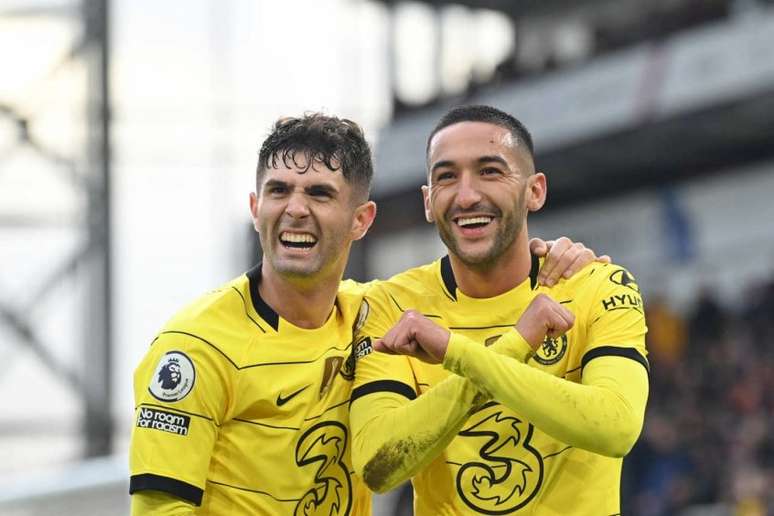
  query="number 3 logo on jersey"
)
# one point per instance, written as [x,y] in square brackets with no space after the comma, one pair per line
[323,447]
[173,378]
[509,471]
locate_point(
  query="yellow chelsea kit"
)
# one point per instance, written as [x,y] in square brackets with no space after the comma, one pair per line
[240,412]
[498,460]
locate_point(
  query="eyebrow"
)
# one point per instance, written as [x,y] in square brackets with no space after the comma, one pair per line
[482,160]
[274,182]
[321,188]
[441,164]
[314,188]
[496,159]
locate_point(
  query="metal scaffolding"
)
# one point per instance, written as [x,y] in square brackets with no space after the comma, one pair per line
[86,170]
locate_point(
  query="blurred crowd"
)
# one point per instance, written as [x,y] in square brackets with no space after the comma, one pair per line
[707,447]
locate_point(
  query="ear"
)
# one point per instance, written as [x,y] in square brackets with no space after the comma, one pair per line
[363,218]
[254,210]
[536,191]
[426,200]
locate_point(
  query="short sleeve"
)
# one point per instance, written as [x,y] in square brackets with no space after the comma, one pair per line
[616,318]
[182,391]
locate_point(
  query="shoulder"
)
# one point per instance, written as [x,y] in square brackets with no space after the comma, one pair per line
[415,282]
[220,304]
[218,320]
[601,278]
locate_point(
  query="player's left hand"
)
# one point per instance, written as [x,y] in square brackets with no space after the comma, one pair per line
[417,336]
[544,317]
[564,258]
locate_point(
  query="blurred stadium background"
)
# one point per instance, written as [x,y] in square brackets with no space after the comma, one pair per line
[128,139]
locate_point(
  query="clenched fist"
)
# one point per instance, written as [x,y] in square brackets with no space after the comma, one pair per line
[544,316]
[417,336]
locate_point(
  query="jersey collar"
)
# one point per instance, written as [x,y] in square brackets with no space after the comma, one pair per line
[450,282]
[266,312]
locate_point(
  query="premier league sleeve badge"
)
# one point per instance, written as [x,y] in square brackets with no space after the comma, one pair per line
[173,378]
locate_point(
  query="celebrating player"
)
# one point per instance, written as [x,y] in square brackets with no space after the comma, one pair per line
[508,400]
[242,400]
[256,421]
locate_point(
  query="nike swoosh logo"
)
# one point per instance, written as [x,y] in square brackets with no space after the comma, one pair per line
[281,401]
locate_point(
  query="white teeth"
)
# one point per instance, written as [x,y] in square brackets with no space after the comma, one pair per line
[298,238]
[466,221]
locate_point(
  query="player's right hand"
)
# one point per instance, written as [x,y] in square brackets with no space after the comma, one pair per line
[417,336]
[544,317]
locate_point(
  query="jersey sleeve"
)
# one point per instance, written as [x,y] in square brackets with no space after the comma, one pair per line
[603,414]
[616,319]
[182,391]
[159,504]
[379,372]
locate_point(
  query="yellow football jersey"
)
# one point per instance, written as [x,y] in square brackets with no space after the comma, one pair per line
[240,412]
[499,462]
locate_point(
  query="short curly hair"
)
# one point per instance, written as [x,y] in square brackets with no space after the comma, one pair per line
[337,143]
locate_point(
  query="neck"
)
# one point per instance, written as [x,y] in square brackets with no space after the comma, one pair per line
[507,272]
[306,304]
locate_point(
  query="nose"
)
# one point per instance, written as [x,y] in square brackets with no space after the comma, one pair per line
[297,206]
[468,194]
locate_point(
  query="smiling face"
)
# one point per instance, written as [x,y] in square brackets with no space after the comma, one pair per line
[307,218]
[481,185]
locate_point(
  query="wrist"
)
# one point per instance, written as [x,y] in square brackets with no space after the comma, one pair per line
[455,350]
[514,345]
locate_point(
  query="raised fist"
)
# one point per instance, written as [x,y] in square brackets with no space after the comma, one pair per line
[417,336]
[544,317]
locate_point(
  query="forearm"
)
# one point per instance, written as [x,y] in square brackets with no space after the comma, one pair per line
[395,437]
[159,503]
[604,414]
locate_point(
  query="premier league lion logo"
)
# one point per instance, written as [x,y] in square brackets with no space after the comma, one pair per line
[169,376]
[174,377]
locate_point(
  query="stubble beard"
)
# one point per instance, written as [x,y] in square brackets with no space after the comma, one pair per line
[510,225]
[292,268]
[322,260]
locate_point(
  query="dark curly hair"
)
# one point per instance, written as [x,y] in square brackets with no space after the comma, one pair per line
[487,114]
[337,143]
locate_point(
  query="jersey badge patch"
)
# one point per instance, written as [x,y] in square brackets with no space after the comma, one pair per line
[174,377]
[331,369]
[163,420]
[362,316]
[551,351]
[623,278]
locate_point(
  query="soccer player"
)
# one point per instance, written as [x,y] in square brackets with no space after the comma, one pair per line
[512,397]
[242,401]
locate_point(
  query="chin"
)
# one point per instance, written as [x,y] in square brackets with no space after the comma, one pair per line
[476,260]
[296,268]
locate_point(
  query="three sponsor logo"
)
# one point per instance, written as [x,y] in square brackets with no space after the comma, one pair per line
[508,473]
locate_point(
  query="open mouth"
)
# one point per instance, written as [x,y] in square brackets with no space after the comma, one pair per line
[297,240]
[473,222]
